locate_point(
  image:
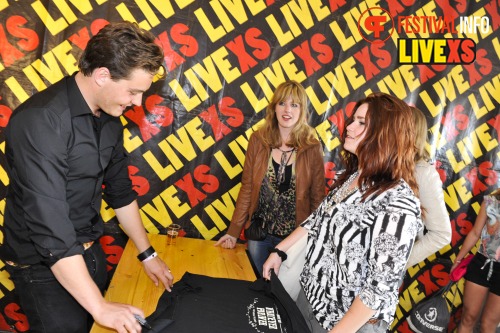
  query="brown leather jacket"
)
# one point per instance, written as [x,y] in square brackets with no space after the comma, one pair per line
[309,181]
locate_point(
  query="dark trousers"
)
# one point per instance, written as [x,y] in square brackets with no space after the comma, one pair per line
[48,306]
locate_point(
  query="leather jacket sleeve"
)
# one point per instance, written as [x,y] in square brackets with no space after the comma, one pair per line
[318,177]
[242,212]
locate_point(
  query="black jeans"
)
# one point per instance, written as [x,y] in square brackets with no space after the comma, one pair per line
[48,306]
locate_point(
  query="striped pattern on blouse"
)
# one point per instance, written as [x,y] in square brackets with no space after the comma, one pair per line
[359,249]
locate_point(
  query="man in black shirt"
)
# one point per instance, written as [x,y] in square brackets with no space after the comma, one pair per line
[64,148]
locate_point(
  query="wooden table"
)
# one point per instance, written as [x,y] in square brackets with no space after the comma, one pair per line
[132,286]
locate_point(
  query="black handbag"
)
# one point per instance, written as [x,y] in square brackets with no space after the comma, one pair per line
[257,230]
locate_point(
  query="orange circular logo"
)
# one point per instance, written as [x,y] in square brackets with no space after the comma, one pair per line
[372,25]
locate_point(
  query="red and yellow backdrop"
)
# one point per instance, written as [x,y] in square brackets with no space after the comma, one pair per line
[224,59]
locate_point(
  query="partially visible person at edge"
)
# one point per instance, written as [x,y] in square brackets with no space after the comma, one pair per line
[62,146]
[482,279]
[436,220]
[361,235]
[283,177]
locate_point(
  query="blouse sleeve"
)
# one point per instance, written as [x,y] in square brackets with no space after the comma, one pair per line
[395,229]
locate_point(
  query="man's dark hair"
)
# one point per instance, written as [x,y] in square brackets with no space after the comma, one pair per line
[121,47]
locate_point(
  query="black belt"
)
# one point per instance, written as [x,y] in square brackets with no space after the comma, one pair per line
[13,264]
[86,246]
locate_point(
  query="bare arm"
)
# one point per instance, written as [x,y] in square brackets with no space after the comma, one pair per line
[473,236]
[73,275]
[130,219]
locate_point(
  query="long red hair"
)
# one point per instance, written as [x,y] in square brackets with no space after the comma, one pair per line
[386,153]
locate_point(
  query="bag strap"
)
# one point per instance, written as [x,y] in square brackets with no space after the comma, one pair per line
[440,293]
[445,290]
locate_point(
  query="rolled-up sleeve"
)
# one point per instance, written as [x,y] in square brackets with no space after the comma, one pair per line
[38,150]
[118,191]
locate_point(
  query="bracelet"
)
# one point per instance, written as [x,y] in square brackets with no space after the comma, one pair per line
[147,253]
[282,254]
[154,255]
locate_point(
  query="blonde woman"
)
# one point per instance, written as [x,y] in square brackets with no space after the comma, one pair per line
[435,216]
[283,177]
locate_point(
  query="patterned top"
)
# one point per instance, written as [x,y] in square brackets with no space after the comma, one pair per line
[490,236]
[276,207]
[359,249]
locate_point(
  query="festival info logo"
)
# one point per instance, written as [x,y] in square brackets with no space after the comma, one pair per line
[376,25]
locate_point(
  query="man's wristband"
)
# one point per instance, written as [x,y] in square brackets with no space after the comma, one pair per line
[282,254]
[146,254]
[154,255]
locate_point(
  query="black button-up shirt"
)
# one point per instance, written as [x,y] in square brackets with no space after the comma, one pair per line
[61,161]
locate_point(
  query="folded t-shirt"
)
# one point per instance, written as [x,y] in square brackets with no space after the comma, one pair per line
[199,303]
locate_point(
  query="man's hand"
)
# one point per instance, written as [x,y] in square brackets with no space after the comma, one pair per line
[74,276]
[119,317]
[157,271]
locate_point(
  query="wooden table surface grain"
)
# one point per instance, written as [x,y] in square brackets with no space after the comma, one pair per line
[132,286]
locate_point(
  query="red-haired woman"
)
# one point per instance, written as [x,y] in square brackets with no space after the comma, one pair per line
[361,235]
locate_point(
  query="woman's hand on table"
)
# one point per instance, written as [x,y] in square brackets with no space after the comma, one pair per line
[227,242]
[157,271]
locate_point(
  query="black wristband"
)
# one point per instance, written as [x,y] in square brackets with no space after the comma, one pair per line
[149,251]
[282,254]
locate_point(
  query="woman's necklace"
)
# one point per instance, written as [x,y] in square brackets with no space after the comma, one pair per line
[344,191]
[286,155]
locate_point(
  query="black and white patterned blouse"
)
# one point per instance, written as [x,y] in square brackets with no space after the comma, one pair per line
[360,249]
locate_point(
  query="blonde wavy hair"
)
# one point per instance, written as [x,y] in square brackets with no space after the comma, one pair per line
[420,134]
[302,134]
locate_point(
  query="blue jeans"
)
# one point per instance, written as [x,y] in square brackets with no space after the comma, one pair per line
[48,306]
[259,250]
